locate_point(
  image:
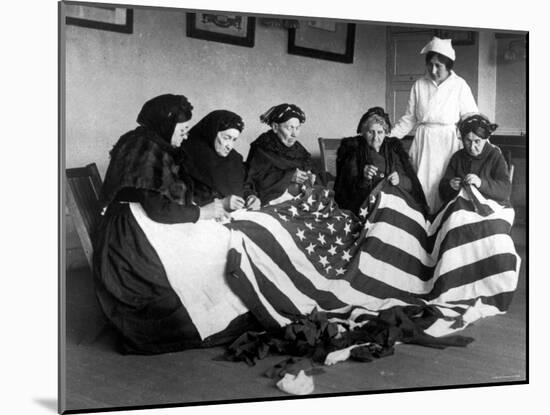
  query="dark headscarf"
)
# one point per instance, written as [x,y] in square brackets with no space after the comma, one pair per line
[214,176]
[281,113]
[144,158]
[162,113]
[478,124]
[373,111]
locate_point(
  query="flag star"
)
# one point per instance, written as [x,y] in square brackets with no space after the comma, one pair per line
[284,218]
[339,241]
[305,207]
[346,256]
[320,206]
[328,268]
[321,239]
[326,192]
[332,250]
[363,212]
[316,214]
[330,227]
[323,260]
[347,228]
[293,210]
[309,249]
[309,226]
[338,218]
[339,271]
[300,234]
[310,200]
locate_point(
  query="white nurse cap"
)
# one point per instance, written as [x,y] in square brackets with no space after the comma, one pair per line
[441,46]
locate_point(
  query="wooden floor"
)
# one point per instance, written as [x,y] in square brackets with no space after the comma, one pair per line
[98,377]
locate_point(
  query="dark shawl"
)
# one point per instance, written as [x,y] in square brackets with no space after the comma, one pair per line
[270,165]
[351,188]
[144,158]
[213,176]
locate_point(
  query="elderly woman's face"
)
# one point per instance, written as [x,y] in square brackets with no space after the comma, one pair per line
[474,144]
[225,141]
[374,133]
[437,70]
[288,131]
[180,133]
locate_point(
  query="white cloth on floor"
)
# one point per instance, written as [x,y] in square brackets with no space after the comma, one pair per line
[301,384]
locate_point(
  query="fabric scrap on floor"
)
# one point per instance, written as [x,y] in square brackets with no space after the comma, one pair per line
[300,384]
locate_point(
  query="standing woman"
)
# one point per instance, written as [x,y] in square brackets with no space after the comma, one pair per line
[130,281]
[436,103]
[277,161]
[216,168]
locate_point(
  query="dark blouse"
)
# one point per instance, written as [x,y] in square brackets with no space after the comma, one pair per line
[270,166]
[352,188]
[491,168]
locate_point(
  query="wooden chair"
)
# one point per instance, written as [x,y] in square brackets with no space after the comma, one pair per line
[83,187]
[328,148]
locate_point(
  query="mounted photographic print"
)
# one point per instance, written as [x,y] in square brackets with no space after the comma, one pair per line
[115,19]
[226,28]
[318,215]
[459,37]
[332,41]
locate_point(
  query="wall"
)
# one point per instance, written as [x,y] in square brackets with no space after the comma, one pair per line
[511,103]
[109,76]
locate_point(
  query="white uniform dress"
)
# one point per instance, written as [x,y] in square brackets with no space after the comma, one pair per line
[435,111]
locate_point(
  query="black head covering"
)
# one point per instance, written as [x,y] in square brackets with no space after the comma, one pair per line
[281,113]
[208,128]
[213,175]
[162,113]
[373,111]
[479,124]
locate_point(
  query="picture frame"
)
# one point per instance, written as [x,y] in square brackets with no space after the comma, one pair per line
[333,41]
[234,29]
[459,37]
[102,17]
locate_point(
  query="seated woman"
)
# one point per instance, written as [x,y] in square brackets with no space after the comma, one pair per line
[217,170]
[277,162]
[130,281]
[366,159]
[479,163]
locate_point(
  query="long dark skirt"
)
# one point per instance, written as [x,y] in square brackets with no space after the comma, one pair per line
[136,297]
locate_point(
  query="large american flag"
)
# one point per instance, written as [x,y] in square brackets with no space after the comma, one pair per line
[304,254]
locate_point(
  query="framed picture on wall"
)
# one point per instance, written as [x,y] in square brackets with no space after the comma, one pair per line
[103,17]
[333,41]
[235,29]
[459,37]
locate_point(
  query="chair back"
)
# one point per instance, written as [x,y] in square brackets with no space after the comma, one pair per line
[328,148]
[83,189]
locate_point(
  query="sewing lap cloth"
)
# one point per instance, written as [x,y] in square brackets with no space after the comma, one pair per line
[194,258]
[306,254]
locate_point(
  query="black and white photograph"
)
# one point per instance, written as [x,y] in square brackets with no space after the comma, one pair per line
[338,207]
[247,208]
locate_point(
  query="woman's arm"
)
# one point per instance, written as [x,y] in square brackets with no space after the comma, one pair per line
[467,102]
[408,121]
[497,186]
[161,209]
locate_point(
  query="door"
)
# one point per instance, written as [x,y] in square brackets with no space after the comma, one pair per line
[404,66]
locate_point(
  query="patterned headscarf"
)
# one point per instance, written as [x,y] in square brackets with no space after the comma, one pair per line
[379,111]
[281,113]
[162,113]
[478,124]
